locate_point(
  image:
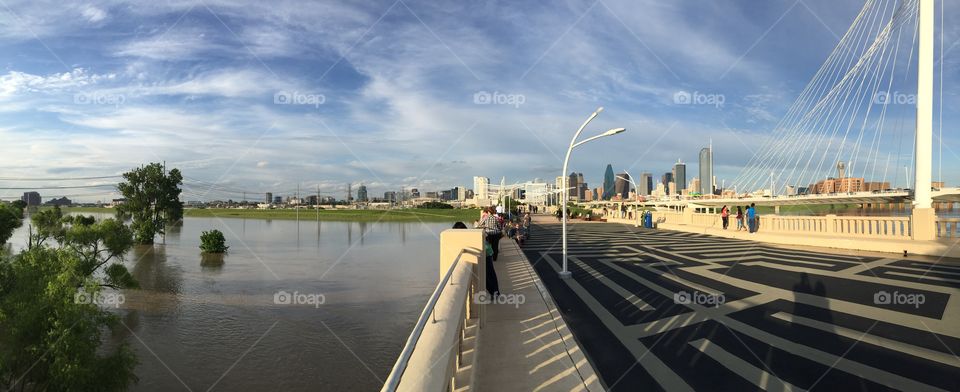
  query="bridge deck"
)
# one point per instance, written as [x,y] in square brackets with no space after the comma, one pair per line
[641,304]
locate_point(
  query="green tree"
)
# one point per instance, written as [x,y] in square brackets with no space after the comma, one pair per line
[47,224]
[19,204]
[437,205]
[152,200]
[10,220]
[213,242]
[50,328]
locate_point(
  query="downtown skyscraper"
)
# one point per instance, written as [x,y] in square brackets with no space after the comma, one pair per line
[609,183]
[706,170]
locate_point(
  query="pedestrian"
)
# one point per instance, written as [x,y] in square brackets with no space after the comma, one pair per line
[725,216]
[752,218]
[492,286]
[739,218]
[491,230]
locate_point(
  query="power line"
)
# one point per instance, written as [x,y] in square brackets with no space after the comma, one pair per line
[59,187]
[57,179]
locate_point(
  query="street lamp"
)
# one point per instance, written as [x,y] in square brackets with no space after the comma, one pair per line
[636,213]
[565,273]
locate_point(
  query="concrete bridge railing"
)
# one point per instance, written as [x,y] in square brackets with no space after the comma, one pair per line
[948,227]
[434,351]
[878,227]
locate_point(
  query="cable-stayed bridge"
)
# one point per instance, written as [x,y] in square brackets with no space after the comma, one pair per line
[863,122]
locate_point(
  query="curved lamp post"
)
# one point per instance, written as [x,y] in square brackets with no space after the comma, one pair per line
[636,214]
[565,273]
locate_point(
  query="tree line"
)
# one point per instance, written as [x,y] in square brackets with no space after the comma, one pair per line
[51,318]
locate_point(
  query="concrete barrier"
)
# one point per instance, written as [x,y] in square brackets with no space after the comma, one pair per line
[433,352]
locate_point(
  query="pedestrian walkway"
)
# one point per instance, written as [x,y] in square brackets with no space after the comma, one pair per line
[527,346]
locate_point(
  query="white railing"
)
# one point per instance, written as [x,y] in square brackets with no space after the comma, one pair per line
[872,226]
[948,227]
[437,336]
[795,224]
[857,226]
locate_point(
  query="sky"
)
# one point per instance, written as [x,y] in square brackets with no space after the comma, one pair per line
[257,96]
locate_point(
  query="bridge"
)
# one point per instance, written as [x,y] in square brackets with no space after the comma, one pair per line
[691,306]
[845,120]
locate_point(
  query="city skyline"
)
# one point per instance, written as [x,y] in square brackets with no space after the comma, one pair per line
[193,82]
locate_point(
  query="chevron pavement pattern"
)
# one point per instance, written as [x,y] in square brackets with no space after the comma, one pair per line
[665,310]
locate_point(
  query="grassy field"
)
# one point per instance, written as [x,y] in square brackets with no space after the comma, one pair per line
[405,215]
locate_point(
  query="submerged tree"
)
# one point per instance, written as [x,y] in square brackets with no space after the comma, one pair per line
[10,220]
[51,319]
[152,200]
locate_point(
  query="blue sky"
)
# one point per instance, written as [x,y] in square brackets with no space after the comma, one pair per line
[384,91]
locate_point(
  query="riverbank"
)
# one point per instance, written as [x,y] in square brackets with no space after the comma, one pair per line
[405,215]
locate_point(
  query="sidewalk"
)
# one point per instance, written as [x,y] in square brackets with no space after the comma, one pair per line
[528,347]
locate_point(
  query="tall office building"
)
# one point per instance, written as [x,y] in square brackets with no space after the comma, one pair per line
[362,193]
[622,186]
[707,183]
[645,184]
[666,180]
[609,183]
[573,186]
[269,197]
[680,176]
[481,188]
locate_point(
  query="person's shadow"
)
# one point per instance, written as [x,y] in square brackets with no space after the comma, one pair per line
[811,323]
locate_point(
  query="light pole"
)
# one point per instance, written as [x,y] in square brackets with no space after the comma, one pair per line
[565,273]
[636,205]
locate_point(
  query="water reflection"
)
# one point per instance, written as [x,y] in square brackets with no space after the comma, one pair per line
[212,262]
[151,270]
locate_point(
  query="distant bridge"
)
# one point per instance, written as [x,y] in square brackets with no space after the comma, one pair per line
[945,195]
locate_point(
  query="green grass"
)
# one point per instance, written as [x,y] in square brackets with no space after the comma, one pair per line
[406,215]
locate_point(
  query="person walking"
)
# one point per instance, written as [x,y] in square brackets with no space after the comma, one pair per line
[725,216]
[752,218]
[491,230]
[740,218]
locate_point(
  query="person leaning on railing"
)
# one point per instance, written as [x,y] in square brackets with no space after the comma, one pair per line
[491,229]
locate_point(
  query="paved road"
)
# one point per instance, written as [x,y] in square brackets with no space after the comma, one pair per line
[664,310]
